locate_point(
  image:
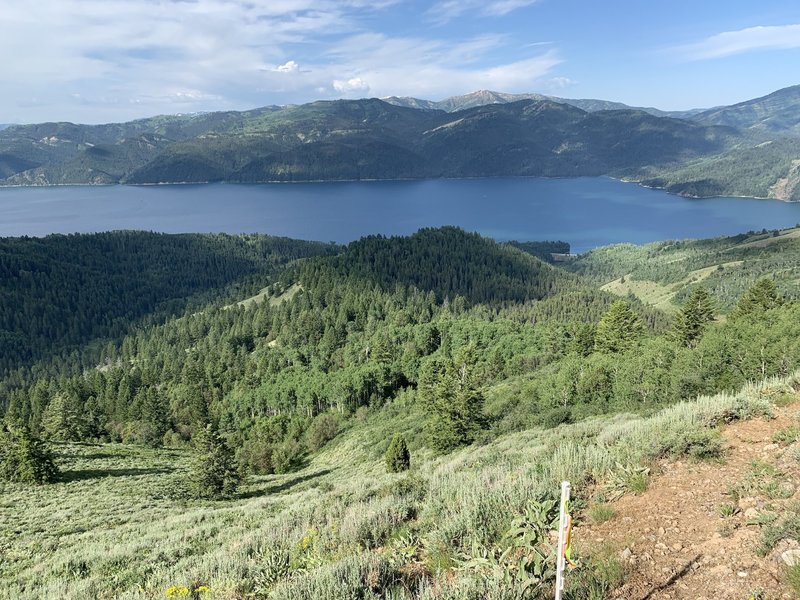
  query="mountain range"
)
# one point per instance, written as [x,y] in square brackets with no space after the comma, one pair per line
[751,148]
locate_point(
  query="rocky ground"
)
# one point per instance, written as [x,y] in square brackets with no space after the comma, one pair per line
[708,530]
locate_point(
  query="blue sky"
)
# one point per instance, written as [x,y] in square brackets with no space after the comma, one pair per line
[97,61]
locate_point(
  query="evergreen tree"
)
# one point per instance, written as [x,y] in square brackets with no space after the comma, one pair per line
[618,330]
[155,422]
[455,405]
[397,455]
[214,473]
[24,458]
[62,419]
[693,317]
[762,296]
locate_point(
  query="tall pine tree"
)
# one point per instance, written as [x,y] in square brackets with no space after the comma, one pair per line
[762,296]
[692,319]
[455,405]
[618,330]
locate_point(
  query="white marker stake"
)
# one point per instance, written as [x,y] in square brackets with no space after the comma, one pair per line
[561,560]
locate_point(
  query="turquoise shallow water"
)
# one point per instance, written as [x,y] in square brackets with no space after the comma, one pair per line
[587,212]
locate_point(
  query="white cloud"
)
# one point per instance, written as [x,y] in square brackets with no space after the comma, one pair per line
[113,60]
[434,69]
[288,67]
[354,84]
[750,39]
[447,10]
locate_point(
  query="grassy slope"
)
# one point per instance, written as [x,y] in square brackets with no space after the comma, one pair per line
[113,527]
[662,274]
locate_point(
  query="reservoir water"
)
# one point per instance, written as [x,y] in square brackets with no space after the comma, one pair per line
[586,212]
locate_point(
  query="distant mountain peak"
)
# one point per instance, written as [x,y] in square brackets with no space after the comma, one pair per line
[486,97]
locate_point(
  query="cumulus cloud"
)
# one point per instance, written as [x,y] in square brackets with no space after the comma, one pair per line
[288,67]
[750,39]
[112,60]
[354,84]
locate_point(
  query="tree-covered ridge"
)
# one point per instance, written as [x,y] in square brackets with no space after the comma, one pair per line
[447,261]
[332,363]
[665,273]
[60,292]
[282,377]
[356,139]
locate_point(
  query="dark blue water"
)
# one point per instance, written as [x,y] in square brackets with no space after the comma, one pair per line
[587,212]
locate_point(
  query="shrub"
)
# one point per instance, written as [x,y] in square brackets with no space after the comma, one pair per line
[600,513]
[287,457]
[25,458]
[702,444]
[214,472]
[324,428]
[555,417]
[397,455]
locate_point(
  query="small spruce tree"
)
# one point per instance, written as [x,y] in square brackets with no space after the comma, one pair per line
[397,455]
[24,458]
[618,330]
[761,296]
[214,473]
[455,404]
[693,317]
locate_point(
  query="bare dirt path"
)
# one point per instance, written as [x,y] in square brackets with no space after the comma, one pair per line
[679,540]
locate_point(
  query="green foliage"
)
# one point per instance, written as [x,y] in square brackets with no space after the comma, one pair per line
[600,513]
[214,473]
[618,330]
[63,419]
[555,417]
[787,435]
[61,292]
[785,526]
[397,456]
[696,313]
[24,458]
[287,456]
[455,405]
[761,297]
[525,559]
[792,577]
[323,429]
[626,478]
[697,442]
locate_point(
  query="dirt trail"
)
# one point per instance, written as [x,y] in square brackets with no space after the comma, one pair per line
[674,539]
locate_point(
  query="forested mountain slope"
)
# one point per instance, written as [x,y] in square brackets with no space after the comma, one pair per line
[664,274]
[502,374]
[60,292]
[355,139]
[778,112]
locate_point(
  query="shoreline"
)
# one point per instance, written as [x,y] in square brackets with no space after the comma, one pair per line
[375,180]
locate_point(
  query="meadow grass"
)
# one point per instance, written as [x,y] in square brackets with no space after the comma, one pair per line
[118,525]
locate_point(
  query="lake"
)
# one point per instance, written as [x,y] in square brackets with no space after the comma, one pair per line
[586,212]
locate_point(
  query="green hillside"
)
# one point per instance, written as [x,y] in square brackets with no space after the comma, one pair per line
[775,113]
[62,292]
[502,374]
[356,139]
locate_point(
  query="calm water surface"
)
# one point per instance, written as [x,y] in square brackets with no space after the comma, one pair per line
[587,212]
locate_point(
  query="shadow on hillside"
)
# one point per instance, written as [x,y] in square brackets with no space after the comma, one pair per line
[284,486]
[84,474]
[89,456]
